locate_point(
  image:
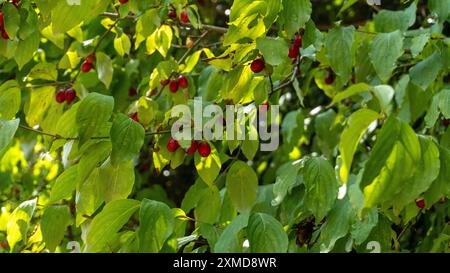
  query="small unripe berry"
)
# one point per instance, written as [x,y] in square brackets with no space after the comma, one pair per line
[193,148]
[164,82]
[258,65]
[204,150]
[420,203]
[70,95]
[60,96]
[183,82]
[172,14]
[189,42]
[172,145]
[86,67]
[184,17]
[330,78]
[173,86]
[4,244]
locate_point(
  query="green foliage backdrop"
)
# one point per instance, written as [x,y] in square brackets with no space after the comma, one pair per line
[86,89]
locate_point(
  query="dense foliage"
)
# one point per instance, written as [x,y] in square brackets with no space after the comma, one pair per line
[87,159]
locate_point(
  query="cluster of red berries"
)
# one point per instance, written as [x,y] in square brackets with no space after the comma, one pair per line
[175,84]
[2,27]
[294,49]
[203,148]
[88,63]
[66,95]
[184,17]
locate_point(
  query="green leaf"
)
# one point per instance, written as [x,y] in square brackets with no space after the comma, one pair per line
[89,122]
[339,45]
[148,22]
[358,123]
[64,185]
[385,49]
[19,222]
[10,98]
[425,72]
[117,180]
[208,168]
[286,180]
[91,158]
[294,15]
[361,229]
[444,102]
[26,48]
[8,129]
[440,187]
[89,196]
[127,137]
[11,19]
[384,94]
[388,21]
[440,8]
[274,50]
[229,241]
[53,225]
[336,226]
[156,225]
[208,207]
[266,234]
[122,44]
[321,186]
[38,103]
[104,68]
[351,91]
[108,222]
[242,186]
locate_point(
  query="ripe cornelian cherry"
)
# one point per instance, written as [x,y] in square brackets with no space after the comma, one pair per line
[172,145]
[61,96]
[298,40]
[204,150]
[183,82]
[420,203]
[132,92]
[173,86]
[330,78]
[265,106]
[258,65]
[90,59]
[2,21]
[123,1]
[86,67]
[193,148]
[5,35]
[135,117]
[4,244]
[294,51]
[70,94]
[164,82]
[184,17]
[172,14]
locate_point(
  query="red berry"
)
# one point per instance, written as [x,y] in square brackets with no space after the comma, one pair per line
[61,96]
[2,22]
[86,67]
[90,59]
[173,86]
[193,148]
[5,35]
[204,150]
[135,117]
[172,14]
[265,106]
[73,208]
[184,17]
[294,51]
[420,203]
[70,95]
[4,244]
[123,1]
[132,92]
[258,65]
[330,78]
[164,82]
[298,40]
[172,145]
[446,122]
[183,82]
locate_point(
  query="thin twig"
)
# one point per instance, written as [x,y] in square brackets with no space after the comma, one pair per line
[186,54]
